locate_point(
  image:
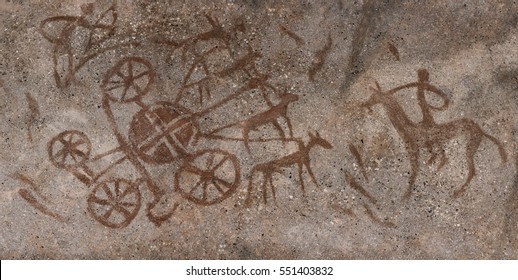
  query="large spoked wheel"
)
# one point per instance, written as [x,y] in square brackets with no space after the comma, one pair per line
[208,177]
[69,149]
[162,131]
[129,80]
[114,203]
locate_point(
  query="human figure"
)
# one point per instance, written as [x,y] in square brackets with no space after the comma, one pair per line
[423,85]
[428,134]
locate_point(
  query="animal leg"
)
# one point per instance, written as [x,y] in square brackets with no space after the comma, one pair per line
[501,150]
[279,128]
[290,127]
[248,200]
[246,130]
[273,189]
[266,178]
[301,180]
[472,148]
[307,163]
[265,96]
[413,153]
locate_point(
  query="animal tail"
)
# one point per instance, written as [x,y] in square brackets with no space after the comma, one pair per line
[503,154]
[219,129]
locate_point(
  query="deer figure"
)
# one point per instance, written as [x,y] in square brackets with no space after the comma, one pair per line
[217,32]
[272,116]
[240,64]
[300,158]
[430,136]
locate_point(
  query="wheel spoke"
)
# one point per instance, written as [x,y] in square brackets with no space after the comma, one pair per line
[205,185]
[219,164]
[200,92]
[79,141]
[115,87]
[128,204]
[125,212]
[60,152]
[130,70]
[128,190]
[224,183]
[117,189]
[193,169]
[207,90]
[64,156]
[115,80]
[64,141]
[218,187]
[210,161]
[108,213]
[72,154]
[119,73]
[196,186]
[145,73]
[108,192]
[78,153]
[100,201]
[137,88]
[126,87]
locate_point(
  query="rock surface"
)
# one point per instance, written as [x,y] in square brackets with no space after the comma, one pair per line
[258,129]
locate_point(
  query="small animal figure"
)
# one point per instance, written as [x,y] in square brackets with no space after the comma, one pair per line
[272,116]
[300,158]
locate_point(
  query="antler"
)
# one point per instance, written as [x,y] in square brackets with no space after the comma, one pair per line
[378,88]
[370,102]
[314,134]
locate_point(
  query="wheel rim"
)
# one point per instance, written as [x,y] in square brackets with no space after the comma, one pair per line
[69,149]
[114,203]
[128,80]
[208,177]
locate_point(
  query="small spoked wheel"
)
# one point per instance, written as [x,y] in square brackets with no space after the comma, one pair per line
[69,149]
[128,80]
[208,177]
[114,203]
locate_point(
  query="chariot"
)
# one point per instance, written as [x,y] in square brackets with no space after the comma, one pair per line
[160,134]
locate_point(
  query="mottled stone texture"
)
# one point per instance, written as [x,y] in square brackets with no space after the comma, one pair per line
[258,129]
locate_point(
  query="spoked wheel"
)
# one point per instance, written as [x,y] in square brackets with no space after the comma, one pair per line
[162,131]
[114,203]
[129,80]
[209,177]
[69,149]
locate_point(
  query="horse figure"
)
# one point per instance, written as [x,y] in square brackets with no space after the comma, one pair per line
[431,135]
[300,158]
